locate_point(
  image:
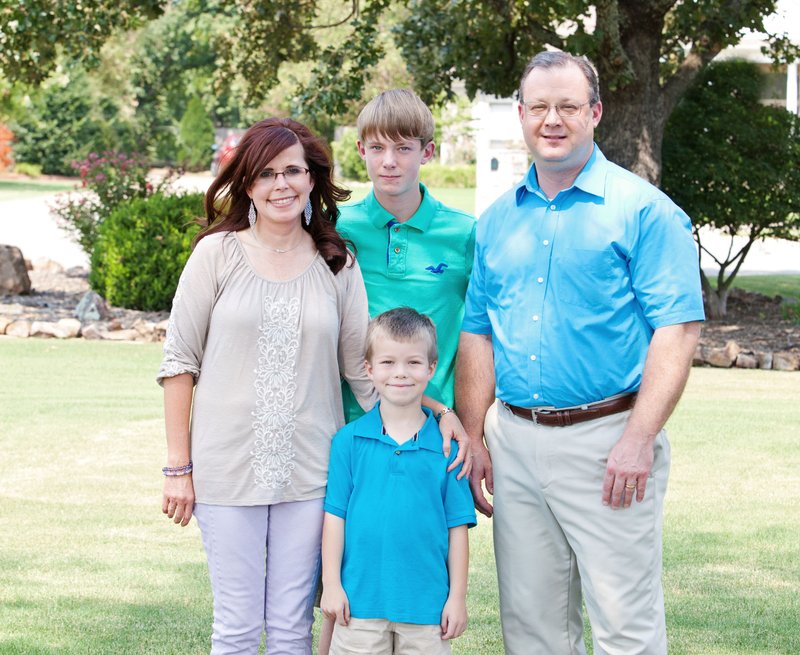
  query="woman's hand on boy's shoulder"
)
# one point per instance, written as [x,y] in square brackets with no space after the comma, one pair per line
[334,604]
[454,617]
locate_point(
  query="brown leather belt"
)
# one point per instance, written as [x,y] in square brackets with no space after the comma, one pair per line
[562,417]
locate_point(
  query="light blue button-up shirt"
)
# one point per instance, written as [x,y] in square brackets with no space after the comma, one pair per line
[572,288]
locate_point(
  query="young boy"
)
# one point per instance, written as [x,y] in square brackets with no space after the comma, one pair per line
[394,542]
[412,249]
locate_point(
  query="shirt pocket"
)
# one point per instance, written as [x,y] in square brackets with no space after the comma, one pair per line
[587,278]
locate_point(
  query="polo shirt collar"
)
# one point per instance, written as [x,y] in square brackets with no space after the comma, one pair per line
[591,179]
[421,220]
[370,426]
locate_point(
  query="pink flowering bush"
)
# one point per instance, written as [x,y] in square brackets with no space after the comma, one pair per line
[108,179]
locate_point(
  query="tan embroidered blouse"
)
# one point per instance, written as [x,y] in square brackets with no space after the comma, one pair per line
[267,358]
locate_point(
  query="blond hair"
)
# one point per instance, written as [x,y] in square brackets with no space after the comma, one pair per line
[397,114]
[403,324]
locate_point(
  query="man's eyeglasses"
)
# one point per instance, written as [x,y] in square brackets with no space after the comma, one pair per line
[563,109]
[290,173]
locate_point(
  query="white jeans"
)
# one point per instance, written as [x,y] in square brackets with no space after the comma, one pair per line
[555,541]
[264,563]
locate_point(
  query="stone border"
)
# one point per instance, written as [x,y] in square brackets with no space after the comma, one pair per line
[732,356]
[70,328]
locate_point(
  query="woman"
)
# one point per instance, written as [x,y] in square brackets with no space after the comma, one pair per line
[270,311]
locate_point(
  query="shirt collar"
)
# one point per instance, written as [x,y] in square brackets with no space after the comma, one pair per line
[421,220]
[591,179]
[370,426]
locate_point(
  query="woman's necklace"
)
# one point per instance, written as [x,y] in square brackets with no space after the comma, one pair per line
[280,251]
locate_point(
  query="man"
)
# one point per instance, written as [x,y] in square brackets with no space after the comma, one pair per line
[581,322]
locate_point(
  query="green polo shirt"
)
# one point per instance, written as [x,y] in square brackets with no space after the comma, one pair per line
[424,263]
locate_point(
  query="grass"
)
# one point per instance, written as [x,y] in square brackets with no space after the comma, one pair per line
[770,285]
[88,564]
[13,189]
[463,199]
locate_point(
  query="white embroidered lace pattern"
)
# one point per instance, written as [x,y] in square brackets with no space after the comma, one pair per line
[274,423]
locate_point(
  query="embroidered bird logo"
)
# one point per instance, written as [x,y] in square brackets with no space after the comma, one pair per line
[438,269]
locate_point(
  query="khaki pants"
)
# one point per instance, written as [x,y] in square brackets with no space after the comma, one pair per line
[381,637]
[555,541]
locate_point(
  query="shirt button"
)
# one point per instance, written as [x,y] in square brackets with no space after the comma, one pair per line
[540,280]
[397,251]
[546,242]
[536,396]
[397,229]
[396,452]
[535,317]
[533,358]
[552,207]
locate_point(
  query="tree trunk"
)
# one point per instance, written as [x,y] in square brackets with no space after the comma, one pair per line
[632,128]
[716,300]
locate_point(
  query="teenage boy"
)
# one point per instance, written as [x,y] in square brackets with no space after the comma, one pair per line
[394,542]
[412,249]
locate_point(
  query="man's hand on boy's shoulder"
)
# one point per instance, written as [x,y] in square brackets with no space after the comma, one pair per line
[334,604]
[454,617]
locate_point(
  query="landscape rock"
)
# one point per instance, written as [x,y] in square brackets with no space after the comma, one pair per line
[44,264]
[14,278]
[785,361]
[92,307]
[70,326]
[699,358]
[746,360]
[764,360]
[120,335]
[722,357]
[47,329]
[4,323]
[20,328]
[93,331]
[76,271]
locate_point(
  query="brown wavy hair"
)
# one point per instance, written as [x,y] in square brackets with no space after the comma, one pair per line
[227,202]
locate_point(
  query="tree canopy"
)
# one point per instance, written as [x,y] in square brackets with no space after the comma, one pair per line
[647,51]
[733,164]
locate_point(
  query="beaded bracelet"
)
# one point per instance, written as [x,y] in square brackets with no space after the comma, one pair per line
[177,470]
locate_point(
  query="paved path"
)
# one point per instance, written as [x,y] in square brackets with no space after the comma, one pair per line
[27,224]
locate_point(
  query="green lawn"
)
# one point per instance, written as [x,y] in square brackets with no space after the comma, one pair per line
[13,189]
[770,285]
[463,199]
[88,564]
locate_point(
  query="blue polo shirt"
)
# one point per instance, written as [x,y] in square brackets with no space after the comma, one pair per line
[571,289]
[423,263]
[398,503]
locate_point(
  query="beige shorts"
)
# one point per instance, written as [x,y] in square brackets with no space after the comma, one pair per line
[381,637]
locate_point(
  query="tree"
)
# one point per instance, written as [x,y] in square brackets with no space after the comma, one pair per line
[733,164]
[647,51]
[33,33]
[196,137]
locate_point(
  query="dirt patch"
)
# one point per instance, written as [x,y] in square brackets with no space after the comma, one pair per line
[756,323]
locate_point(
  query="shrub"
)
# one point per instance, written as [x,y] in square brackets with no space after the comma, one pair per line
[196,137]
[111,178]
[142,247]
[31,170]
[345,152]
[461,176]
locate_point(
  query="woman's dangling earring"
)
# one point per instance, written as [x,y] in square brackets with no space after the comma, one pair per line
[251,215]
[307,212]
